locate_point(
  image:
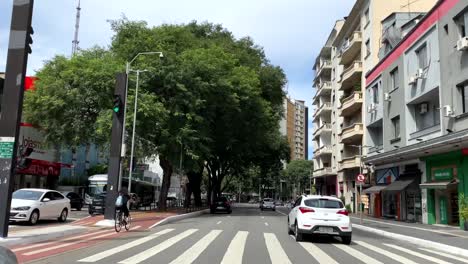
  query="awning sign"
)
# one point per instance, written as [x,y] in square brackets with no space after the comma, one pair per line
[443,174]
[6,147]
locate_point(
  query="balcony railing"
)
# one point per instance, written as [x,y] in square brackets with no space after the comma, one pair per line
[351,48]
[356,66]
[326,149]
[324,65]
[323,106]
[351,104]
[325,171]
[352,133]
[324,127]
[350,163]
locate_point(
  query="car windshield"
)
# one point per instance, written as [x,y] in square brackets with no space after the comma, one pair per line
[268,200]
[27,195]
[324,203]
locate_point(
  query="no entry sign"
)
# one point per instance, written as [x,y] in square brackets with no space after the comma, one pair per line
[361,178]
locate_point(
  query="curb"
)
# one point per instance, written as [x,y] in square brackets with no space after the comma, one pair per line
[175,218]
[49,234]
[417,241]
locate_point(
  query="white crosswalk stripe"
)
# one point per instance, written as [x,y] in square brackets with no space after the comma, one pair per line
[384,252]
[317,253]
[416,254]
[357,254]
[235,251]
[464,260]
[110,252]
[192,253]
[157,249]
[277,254]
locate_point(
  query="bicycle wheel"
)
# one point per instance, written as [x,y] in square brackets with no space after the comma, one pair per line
[118,221]
[128,222]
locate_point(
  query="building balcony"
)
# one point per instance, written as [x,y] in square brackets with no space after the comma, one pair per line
[323,69]
[325,128]
[351,104]
[323,88]
[351,76]
[352,134]
[323,109]
[323,150]
[352,48]
[325,171]
[349,163]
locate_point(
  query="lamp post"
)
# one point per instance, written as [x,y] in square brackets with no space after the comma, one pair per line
[127,71]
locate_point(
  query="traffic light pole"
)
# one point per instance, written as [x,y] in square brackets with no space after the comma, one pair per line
[12,103]
[116,146]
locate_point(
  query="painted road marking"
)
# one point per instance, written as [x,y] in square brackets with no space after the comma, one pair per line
[157,249]
[317,253]
[54,242]
[219,222]
[192,253]
[266,223]
[235,251]
[386,253]
[281,213]
[263,217]
[464,260]
[416,254]
[126,246]
[66,244]
[277,254]
[357,254]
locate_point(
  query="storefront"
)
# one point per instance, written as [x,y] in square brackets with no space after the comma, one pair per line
[381,204]
[445,180]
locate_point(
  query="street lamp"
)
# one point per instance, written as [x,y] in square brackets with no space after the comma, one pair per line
[127,71]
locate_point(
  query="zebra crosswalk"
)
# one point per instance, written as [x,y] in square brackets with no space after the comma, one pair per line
[280,249]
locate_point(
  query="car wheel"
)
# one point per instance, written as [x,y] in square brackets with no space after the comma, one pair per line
[346,240]
[297,233]
[34,217]
[63,215]
[79,207]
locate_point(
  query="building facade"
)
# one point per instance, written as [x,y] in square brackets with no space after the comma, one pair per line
[294,125]
[418,131]
[354,50]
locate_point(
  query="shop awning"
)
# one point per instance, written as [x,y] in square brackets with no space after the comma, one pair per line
[437,185]
[398,186]
[375,189]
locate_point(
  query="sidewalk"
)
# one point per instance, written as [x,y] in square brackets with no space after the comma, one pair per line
[451,236]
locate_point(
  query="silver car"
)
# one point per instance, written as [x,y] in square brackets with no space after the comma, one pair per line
[268,203]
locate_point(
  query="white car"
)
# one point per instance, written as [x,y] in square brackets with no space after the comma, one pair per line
[28,205]
[268,203]
[319,215]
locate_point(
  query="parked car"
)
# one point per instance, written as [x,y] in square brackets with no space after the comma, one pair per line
[30,205]
[279,203]
[221,204]
[319,215]
[75,200]
[268,203]
[98,204]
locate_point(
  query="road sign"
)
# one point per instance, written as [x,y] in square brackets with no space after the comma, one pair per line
[361,178]
[6,147]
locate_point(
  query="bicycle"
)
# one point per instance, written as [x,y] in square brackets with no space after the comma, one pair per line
[120,220]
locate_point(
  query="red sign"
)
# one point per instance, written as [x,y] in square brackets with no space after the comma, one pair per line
[42,168]
[361,178]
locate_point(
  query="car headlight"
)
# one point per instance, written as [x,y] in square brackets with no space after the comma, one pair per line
[22,208]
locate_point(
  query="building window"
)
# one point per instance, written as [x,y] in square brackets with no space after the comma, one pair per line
[394,78]
[464,97]
[462,22]
[421,53]
[366,17]
[396,126]
[375,94]
[368,50]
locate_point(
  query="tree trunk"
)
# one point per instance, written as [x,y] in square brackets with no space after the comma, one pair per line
[166,182]
[196,187]
[189,189]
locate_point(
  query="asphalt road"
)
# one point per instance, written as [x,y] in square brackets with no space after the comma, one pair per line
[246,236]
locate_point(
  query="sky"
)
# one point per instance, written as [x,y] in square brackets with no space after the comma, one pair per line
[291,32]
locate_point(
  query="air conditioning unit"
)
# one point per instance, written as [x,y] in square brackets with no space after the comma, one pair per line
[462,44]
[448,112]
[423,108]
[387,97]
[412,80]
[371,108]
[419,74]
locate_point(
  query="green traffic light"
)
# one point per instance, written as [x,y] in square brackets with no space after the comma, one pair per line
[116,109]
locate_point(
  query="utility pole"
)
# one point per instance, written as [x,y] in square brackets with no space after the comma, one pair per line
[12,104]
[116,146]
[77,28]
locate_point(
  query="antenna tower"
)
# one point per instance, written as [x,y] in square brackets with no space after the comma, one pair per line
[77,28]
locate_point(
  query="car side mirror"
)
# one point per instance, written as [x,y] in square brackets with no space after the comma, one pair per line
[46,200]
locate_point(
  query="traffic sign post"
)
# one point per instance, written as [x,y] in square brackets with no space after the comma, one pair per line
[360,178]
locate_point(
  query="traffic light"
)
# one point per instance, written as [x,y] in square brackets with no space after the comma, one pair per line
[118,106]
[29,40]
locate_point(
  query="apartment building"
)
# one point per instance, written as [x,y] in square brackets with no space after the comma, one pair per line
[417,128]
[294,126]
[354,50]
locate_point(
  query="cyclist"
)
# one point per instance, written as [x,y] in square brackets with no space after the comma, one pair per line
[125,198]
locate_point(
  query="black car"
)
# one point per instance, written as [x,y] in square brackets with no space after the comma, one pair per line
[97,204]
[221,204]
[75,200]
